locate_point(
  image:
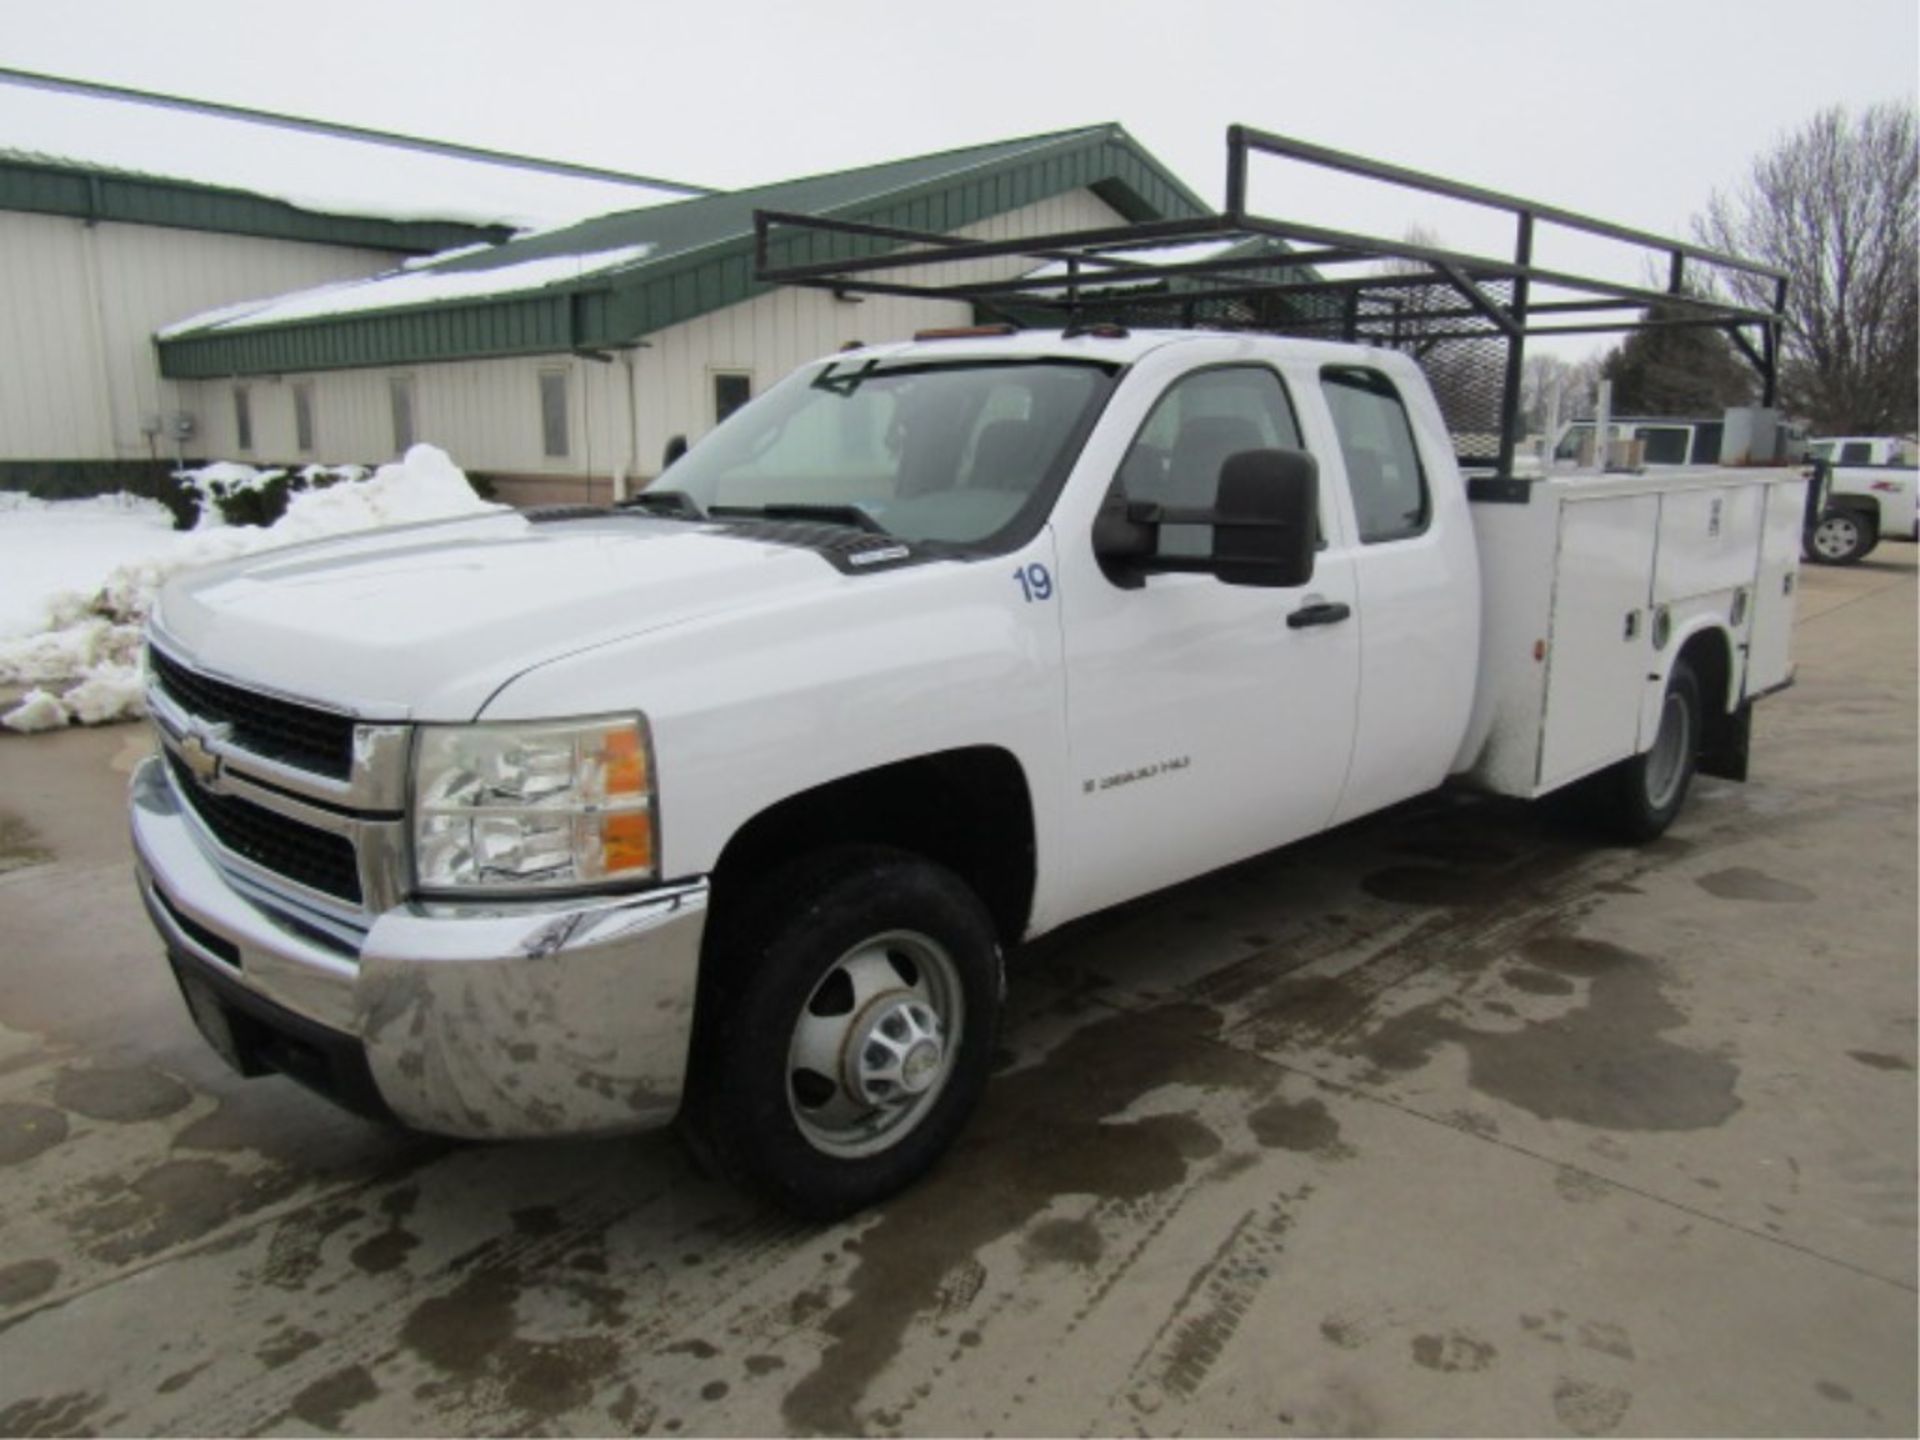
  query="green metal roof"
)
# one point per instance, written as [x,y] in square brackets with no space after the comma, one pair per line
[1158,300]
[51,185]
[699,258]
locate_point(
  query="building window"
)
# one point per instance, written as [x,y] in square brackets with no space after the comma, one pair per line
[242,418]
[553,413]
[303,417]
[731,390]
[400,395]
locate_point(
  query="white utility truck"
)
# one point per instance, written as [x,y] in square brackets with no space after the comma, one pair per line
[726,805]
[1869,490]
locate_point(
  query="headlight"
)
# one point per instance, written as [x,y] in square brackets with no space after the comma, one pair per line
[506,809]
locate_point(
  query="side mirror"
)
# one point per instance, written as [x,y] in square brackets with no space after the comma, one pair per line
[1124,539]
[1266,515]
[1265,522]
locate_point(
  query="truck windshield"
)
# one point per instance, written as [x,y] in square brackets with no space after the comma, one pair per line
[956,453]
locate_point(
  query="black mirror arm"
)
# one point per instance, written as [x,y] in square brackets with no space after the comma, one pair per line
[1147,512]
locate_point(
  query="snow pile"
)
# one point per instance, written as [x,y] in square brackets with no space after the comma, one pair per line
[92,567]
[327,474]
[228,493]
[213,483]
[47,547]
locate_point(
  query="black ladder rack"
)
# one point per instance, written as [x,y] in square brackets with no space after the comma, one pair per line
[1466,317]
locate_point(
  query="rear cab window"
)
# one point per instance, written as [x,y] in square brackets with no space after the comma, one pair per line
[1391,499]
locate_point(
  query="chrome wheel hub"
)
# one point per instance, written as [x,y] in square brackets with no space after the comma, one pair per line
[896,1049]
[873,1046]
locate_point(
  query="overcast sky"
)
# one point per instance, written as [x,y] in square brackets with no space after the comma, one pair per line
[1633,110]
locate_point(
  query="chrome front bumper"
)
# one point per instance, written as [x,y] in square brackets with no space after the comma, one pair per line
[475,1020]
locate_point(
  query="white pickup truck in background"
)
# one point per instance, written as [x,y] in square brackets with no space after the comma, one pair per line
[726,805]
[1869,494]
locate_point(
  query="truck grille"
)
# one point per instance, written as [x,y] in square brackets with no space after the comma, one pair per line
[298,735]
[315,858]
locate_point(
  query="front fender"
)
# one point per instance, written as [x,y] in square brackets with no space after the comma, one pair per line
[766,702]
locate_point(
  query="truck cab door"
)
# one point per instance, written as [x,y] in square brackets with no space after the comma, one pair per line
[1415,570]
[1206,722]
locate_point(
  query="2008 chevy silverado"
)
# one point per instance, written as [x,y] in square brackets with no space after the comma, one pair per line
[725,805]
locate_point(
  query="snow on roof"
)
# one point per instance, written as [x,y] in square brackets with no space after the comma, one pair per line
[413,284]
[1185,252]
[646,243]
[328,174]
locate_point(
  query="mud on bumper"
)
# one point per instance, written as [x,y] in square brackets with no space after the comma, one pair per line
[472,1020]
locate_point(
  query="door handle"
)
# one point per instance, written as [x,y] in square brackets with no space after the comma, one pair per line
[1322,613]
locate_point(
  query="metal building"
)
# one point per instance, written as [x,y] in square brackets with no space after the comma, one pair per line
[560,364]
[94,260]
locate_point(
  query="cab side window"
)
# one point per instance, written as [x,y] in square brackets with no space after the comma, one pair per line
[1390,497]
[1202,419]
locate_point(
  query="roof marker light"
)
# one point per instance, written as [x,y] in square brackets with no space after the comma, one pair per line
[966,332]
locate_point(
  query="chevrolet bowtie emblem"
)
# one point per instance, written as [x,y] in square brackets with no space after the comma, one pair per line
[201,761]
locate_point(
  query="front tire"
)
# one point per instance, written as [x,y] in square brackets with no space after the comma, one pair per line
[853,1030]
[1639,798]
[1841,537]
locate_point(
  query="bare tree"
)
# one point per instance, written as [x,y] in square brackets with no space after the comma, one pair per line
[1542,375]
[1834,206]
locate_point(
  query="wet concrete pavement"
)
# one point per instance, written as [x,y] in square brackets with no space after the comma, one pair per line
[1453,1121]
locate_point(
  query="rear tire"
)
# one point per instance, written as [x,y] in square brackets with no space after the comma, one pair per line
[1841,537]
[851,1033]
[1638,798]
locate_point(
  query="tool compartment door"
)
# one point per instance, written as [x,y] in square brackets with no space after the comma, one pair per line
[1709,540]
[1769,643]
[1599,651]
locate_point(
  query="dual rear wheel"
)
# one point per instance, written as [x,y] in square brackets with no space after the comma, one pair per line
[1638,799]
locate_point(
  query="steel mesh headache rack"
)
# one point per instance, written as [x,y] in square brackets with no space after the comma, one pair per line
[1465,317]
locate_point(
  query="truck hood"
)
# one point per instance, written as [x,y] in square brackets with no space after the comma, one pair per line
[427,621]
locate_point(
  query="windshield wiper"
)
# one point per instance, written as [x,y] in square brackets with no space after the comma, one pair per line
[831,514]
[665,502]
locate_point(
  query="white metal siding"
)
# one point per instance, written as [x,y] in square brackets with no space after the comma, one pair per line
[486,413]
[78,308]
[50,401]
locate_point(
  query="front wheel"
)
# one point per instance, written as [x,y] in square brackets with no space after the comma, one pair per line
[854,1033]
[1639,798]
[1841,537]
